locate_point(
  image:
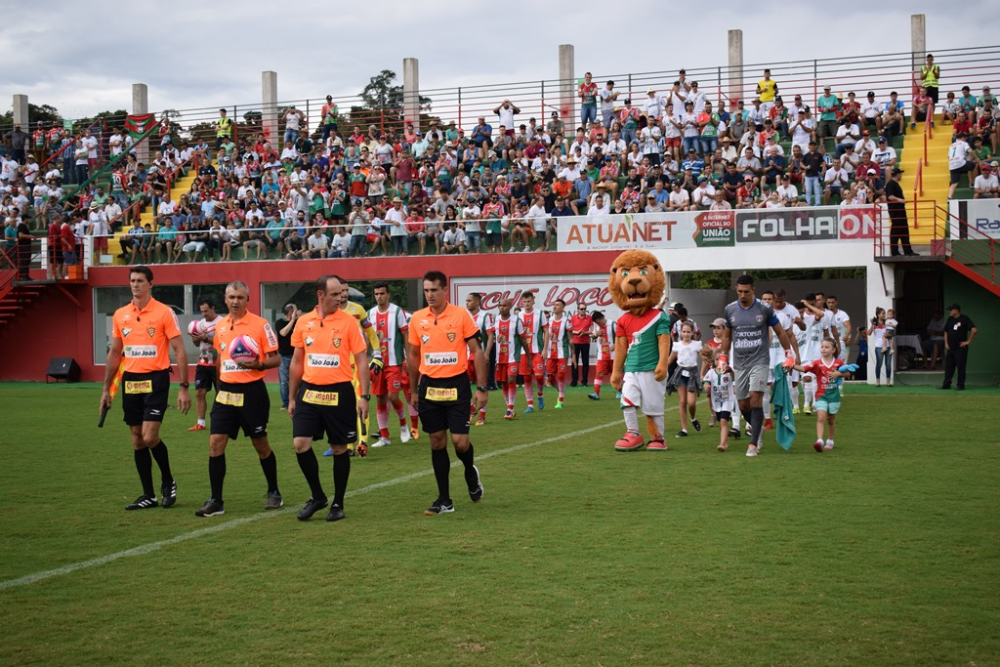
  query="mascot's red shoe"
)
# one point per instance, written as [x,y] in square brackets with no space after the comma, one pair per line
[656,446]
[630,442]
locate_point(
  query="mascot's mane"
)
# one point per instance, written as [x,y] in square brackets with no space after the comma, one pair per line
[631,290]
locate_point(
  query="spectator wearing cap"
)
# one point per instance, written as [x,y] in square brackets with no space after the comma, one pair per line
[959,332]
[870,111]
[848,134]
[780,117]
[988,120]
[628,117]
[703,195]
[330,115]
[865,143]
[828,106]
[987,185]
[884,155]
[608,97]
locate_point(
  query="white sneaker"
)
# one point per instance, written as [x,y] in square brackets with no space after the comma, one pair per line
[404,434]
[751,451]
[828,446]
[749,430]
[382,442]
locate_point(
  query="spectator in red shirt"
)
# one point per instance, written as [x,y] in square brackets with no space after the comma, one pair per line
[56,269]
[580,325]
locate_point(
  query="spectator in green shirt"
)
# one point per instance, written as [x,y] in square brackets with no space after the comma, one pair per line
[827,105]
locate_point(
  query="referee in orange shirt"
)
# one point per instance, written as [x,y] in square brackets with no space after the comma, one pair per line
[436,354]
[241,400]
[321,396]
[145,331]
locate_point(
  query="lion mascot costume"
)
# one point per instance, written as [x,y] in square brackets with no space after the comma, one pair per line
[642,346]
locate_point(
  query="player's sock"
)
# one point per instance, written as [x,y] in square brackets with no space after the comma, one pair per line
[201,422]
[767,403]
[528,393]
[162,457]
[810,392]
[511,395]
[397,405]
[382,415]
[482,413]
[341,471]
[540,383]
[467,460]
[756,425]
[216,475]
[414,419]
[270,468]
[796,394]
[144,466]
[631,419]
[597,387]
[561,386]
[441,464]
[310,469]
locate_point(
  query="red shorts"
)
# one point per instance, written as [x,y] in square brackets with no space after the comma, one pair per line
[672,142]
[604,367]
[534,366]
[503,374]
[389,381]
[556,367]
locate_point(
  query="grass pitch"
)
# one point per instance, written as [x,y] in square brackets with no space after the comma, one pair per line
[885,551]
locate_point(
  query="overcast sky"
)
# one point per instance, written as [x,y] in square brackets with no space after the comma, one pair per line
[83,57]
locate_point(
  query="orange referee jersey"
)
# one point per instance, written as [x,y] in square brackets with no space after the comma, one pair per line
[329,345]
[226,330]
[442,340]
[145,334]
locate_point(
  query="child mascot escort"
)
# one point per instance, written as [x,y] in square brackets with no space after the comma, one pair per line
[642,347]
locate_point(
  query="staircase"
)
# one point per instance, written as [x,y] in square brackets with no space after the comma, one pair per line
[934,173]
[178,187]
[953,242]
[17,298]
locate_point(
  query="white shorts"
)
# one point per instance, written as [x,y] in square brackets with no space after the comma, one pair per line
[641,390]
[844,351]
[808,377]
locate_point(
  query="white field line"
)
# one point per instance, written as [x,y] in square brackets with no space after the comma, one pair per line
[235,523]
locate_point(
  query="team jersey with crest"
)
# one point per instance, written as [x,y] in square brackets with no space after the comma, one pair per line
[559,339]
[814,335]
[642,334]
[533,324]
[359,313]
[605,341]
[722,393]
[486,326]
[839,321]
[206,350]
[508,340]
[826,388]
[390,327]
[145,334]
[777,352]
[252,326]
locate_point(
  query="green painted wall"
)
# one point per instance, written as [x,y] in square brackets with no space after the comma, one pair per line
[984,308]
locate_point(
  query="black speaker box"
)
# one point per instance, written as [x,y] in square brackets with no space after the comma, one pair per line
[63,368]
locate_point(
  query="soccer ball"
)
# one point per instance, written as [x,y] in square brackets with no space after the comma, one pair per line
[244,348]
[196,328]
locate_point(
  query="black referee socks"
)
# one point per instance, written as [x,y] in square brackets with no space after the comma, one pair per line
[162,457]
[216,475]
[341,472]
[442,465]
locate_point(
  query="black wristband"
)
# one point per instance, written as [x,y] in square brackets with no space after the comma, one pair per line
[184,385]
[480,387]
[367,397]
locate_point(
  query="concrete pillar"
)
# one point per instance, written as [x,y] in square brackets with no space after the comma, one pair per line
[140,106]
[735,91]
[411,92]
[918,38]
[269,109]
[567,86]
[21,112]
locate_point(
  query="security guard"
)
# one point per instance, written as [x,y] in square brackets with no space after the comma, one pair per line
[223,129]
[930,78]
[436,354]
[144,332]
[321,399]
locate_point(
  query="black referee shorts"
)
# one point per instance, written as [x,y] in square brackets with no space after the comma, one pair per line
[145,396]
[443,404]
[330,409]
[237,406]
[204,377]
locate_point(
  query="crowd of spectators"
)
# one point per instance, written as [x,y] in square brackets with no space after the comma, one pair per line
[499,186]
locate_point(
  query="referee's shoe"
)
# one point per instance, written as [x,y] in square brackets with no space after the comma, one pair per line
[475,486]
[440,506]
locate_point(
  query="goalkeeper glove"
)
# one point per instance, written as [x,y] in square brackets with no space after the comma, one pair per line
[789,360]
[376,364]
